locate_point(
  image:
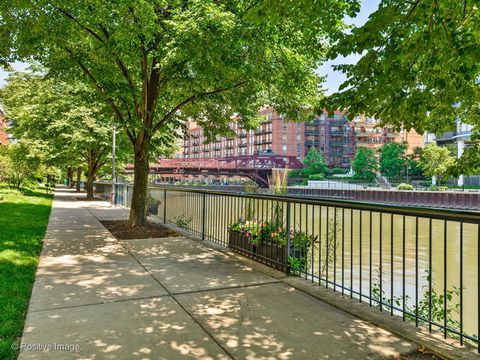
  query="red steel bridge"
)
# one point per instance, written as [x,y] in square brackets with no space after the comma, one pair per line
[255,167]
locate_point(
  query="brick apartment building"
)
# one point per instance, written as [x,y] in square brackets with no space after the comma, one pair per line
[335,136]
[274,135]
[4,138]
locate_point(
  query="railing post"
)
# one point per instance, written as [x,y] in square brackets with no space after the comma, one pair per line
[204,215]
[165,206]
[287,252]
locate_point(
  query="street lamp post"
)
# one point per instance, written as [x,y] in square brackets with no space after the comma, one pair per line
[113,164]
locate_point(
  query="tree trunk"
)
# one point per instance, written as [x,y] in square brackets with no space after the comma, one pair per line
[91,171]
[79,178]
[138,209]
[89,185]
[69,177]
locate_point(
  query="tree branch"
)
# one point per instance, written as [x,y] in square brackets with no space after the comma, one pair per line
[121,65]
[412,9]
[97,156]
[87,29]
[102,91]
[191,99]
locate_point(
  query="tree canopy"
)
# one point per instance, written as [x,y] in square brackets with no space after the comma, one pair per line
[64,120]
[20,163]
[392,159]
[365,164]
[436,161]
[157,63]
[420,67]
[315,163]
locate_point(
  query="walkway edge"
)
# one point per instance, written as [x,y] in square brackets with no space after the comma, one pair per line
[433,342]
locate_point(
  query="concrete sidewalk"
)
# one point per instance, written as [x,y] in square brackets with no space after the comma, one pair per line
[99,298]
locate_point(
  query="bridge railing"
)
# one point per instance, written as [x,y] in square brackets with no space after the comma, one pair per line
[422,264]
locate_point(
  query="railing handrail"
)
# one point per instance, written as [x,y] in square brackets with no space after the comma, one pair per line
[408,210]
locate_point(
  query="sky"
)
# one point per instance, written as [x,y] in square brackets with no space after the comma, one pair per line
[333,78]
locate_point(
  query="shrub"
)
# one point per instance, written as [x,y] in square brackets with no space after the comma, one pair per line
[295,173]
[316,177]
[404,186]
[337,171]
[182,221]
[438,188]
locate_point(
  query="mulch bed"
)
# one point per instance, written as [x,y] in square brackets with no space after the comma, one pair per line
[419,354]
[121,230]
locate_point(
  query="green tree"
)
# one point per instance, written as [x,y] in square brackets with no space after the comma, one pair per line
[419,68]
[315,163]
[393,160]
[413,162]
[365,164]
[436,162]
[4,163]
[157,63]
[67,120]
[21,163]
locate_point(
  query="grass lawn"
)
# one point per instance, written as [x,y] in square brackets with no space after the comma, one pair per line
[23,222]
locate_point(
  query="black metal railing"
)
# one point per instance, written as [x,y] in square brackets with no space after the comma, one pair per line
[419,263]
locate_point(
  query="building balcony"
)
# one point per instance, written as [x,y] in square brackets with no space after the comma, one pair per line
[336,122]
[242,135]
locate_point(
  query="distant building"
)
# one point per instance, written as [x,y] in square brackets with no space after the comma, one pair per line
[411,138]
[336,141]
[274,135]
[367,133]
[336,137]
[457,141]
[4,138]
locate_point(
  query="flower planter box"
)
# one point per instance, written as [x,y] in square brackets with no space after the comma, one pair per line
[268,253]
[272,254]
[240,243]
